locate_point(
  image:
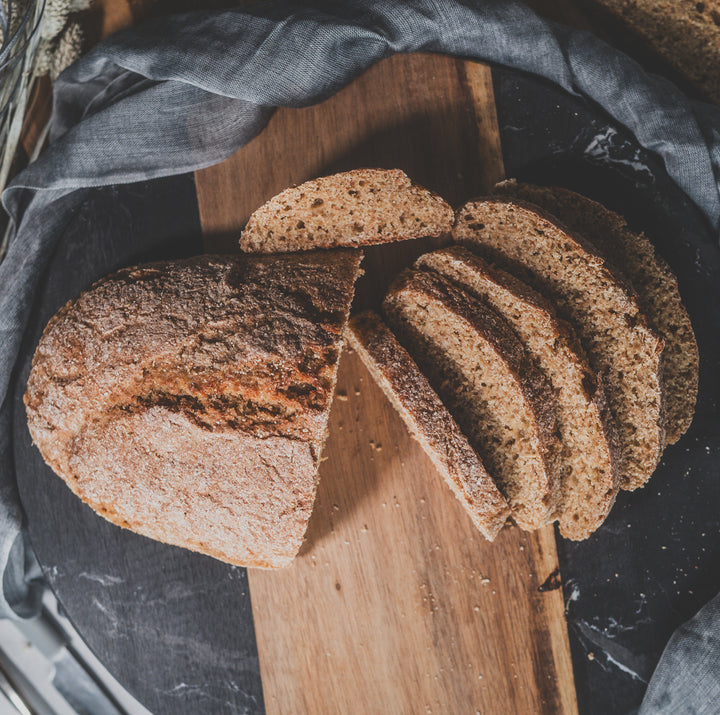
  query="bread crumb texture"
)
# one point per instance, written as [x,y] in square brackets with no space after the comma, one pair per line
[600,305]
[428,421]
[354,208]
[652,280]
[188,400]
[588,456]
[481,371]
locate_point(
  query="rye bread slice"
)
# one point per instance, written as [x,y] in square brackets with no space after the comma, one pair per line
[428,421]
[653,280]
[601,307]
[588,458]
[354,208]
[479,368]
[188,400]
[685,33]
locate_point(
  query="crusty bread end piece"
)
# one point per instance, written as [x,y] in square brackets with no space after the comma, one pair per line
[650,276]
[499,398]
[354,208]
[588,458]
[188,400]
[428,421]
[602,308]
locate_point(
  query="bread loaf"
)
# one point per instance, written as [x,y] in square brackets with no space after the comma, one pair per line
[482,373]
[651,278]
[188,400]
[685,33]
[355,208]
[601,307]
[588,457]
[428,421]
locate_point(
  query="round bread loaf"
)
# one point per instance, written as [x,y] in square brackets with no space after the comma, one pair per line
[188,400]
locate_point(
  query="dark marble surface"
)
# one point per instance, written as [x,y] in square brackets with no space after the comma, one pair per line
[174,627]
[653,563]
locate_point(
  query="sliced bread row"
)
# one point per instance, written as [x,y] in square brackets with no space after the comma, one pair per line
[614,395]
[482,372]
[651,278]
[428,421]
[588,455]
[601,306]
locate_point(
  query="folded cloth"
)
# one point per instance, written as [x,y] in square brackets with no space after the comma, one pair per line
[185,92]
[687,678]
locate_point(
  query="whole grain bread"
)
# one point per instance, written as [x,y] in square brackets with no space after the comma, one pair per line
[499,398]
[354,208]
[653,281]
[588,458]
[188,400]
[428,421]
[685,33]
[601,307]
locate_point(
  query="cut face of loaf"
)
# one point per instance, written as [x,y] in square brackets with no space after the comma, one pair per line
[653,281]
[428,421]
[355,208]
[188,400]
[602,309]
[588,458]
[481,371]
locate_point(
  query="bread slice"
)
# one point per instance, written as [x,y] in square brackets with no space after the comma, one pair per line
[188,400]
[588,458]
[428,421]
[685,33]
[601,307]
[482,373]
[355,208]
[653,281]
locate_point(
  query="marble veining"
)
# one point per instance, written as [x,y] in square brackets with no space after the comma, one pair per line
[608,147]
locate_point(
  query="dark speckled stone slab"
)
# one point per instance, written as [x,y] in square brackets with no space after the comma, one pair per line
[653,564]
[174,627]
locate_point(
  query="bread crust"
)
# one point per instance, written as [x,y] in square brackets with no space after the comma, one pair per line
[428,421]
[355,208]
[235,351]
[684,33]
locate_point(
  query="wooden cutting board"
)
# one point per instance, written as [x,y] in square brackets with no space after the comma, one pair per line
[395,604]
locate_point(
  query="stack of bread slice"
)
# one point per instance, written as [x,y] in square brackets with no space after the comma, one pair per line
[616,348]
[188,400]
[551,339]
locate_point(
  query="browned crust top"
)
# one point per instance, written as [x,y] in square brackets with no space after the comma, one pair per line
[236,345]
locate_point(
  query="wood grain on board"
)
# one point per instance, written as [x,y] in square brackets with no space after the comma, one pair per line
[396,603]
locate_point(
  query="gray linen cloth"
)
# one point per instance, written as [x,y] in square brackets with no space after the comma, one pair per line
[186,92]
